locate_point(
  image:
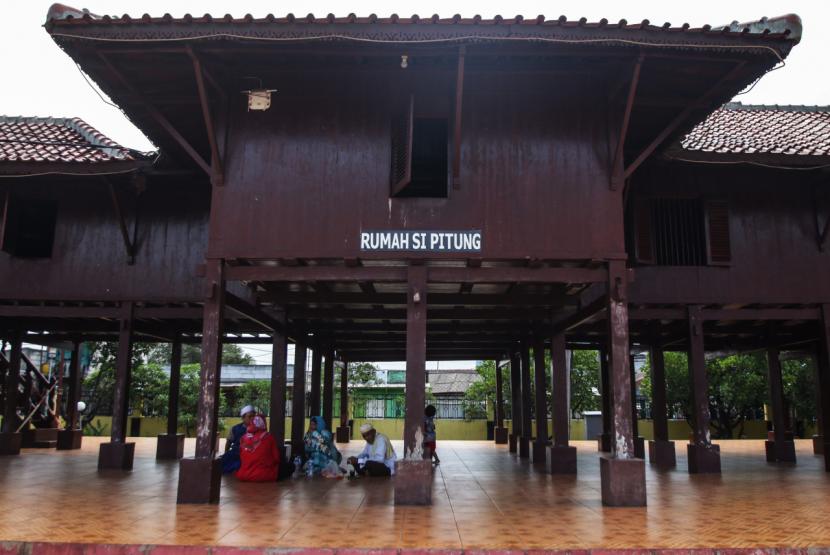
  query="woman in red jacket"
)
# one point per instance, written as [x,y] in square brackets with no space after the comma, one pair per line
[259,454]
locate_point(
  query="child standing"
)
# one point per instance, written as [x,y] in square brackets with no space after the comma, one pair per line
[429,433]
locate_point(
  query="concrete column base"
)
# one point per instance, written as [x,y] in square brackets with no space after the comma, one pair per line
[640,447]
[662,454]
[604,443]
[500,435]
[780,453]
[524,447]
[703,459]
[10,443]
[539,452]
[413,482]
[169,447]
[199,481]
[562,459]
[512,443]
[69,439]
[818,445]
[343,434]
[623,481]
[117,456]
[40,438]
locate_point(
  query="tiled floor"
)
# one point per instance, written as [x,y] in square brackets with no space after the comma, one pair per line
[483,498]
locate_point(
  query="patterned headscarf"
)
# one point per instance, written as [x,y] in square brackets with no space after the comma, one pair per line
[256,431]
[321,424]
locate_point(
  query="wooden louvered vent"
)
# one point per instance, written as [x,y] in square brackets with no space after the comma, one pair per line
[717,231]
[402,123]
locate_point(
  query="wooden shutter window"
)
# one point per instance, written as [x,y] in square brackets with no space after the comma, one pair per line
[401,168]
[719,248]
[643,232]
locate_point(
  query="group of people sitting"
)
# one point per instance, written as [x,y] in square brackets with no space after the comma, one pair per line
[251,452]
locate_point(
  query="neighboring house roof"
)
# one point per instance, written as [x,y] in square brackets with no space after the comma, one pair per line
[69,143]
[798,135]
[398,28]
[452,382]
[239,374]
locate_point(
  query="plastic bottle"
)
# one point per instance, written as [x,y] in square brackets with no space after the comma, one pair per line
[309,472]
[298,463]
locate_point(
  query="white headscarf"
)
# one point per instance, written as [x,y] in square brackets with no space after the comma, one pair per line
[366,428]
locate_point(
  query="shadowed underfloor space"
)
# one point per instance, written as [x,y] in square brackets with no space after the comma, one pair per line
[484,497]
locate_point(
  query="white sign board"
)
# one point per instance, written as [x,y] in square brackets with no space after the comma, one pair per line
[421,241]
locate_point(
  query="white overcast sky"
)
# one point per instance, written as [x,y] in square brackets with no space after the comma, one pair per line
[38,79]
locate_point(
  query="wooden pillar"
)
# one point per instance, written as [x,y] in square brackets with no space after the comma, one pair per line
[416,344]
[71,436]
[540,444]
[10,438]
[171,444]
[279,356]
[604,439]
[515,401]
[639,442]
[661,452]
[118,454]
[499,431]
[704,457]
[818,437]
[316,371]
[200,477]
[782,447]
[824,377]
[328,387]
[298,398]
[622,474]
[527,407]
[562,455]
[343,431]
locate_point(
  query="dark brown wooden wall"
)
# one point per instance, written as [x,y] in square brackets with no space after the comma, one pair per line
[304,178]
[89,260]
[775,256]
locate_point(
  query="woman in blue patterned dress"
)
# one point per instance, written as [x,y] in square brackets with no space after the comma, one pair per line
[319,446]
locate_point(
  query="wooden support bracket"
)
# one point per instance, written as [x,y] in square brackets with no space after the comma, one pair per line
[616,176]
[130,243]
[679,119]
[218,173]
[459,94]
[158,116]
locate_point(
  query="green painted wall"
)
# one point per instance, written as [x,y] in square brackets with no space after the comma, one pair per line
[452,429]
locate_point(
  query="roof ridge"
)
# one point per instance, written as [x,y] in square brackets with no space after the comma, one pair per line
[777,107]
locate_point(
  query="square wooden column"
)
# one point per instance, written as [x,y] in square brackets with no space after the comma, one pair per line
[623,477]
[540,444]
[704,457]
[328,387]
[661,451]
[298,398]
[316,371]
[604,439]
[782,447]
[343,431]
[171,444]
[70,438]
[200,477]
[416,350]
[562,455]
[515,401]
[818,437]
[413,482]
[639,441]
[117,453]
[499,431]
[824,377]
[10,438]
[527,407]
[279,355]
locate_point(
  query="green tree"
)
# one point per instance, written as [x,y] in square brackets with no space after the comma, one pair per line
[160,353]
[482,394]
[362,374]
[678,395]
[189,399]
[254,392]
[585,381]
[799,376]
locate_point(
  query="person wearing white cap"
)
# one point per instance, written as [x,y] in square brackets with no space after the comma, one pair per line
[230,459]
[377,457]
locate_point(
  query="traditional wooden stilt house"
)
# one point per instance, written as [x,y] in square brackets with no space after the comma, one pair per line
[410,188]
